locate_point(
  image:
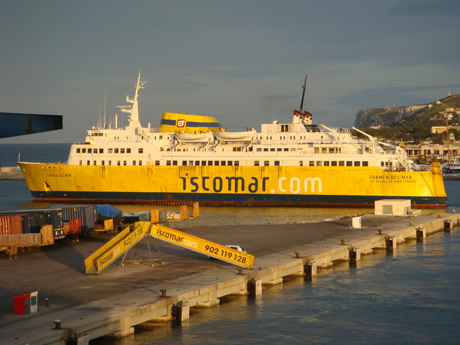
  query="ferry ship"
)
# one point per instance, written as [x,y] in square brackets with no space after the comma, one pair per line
[193,158]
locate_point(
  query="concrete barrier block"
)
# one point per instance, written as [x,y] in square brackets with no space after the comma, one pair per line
[356,222]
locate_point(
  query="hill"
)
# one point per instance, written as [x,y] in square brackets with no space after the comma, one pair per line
[412,122]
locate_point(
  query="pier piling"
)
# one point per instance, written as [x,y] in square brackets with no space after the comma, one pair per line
[311,268]
[181,311]
[354,254]
[421,233]
[391,242]
[255,287]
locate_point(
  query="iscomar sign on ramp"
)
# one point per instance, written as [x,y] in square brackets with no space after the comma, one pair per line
[113,249]
[124,241]
[199,245]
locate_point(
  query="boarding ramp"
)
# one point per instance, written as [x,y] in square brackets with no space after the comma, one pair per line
[125,240]
[112,250]
[199,245]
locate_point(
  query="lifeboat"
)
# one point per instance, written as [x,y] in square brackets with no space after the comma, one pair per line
[195,137]
[236,136]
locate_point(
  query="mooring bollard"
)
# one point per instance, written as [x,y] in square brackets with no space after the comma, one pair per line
[57,324]
[163,293]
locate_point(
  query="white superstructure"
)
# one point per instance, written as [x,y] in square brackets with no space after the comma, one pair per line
[298,143]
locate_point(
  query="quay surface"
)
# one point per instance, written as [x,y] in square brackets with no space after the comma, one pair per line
[122,297]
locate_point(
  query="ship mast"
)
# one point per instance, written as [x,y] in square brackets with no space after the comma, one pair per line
[134,109]
[303,95]
[299,117]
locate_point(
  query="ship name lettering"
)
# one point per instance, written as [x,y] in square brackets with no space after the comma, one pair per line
[309,184]
[216,184]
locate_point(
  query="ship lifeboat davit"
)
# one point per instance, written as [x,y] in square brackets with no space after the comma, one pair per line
[236,136]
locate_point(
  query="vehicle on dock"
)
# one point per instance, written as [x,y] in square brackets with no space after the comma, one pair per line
[236,247]
[193,158]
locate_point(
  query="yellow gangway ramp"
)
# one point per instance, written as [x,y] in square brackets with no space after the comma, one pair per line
[113,249]
[198,244]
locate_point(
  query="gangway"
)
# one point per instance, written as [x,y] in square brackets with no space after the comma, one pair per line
[200,245]
[124,241]
[116,247]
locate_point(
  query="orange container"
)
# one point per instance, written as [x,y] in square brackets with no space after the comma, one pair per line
[74,226]
[10,225]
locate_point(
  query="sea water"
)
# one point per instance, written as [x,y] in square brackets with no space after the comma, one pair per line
[408,296]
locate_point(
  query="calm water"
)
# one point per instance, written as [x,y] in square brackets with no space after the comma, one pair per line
[406,297]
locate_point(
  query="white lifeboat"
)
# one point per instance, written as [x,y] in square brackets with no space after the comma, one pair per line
[236,136]
[195,137]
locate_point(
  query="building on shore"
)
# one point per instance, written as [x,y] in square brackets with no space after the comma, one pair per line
[432,152]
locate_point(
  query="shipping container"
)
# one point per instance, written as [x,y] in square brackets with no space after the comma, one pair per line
[74,226]
[34,219]
[86,213]
[47,235]
[10,225]
[143,216]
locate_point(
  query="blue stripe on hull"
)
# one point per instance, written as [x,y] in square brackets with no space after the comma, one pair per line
[235,199]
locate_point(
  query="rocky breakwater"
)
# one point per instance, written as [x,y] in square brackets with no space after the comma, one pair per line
[11,173]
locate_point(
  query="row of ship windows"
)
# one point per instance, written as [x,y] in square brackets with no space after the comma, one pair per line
[317,149]
[111,150]
[259,149]
[282,137]
[110,163]
[237,163]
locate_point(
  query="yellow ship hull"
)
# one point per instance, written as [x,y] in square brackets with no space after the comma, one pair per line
[230,185]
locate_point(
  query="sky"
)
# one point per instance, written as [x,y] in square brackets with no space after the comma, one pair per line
[242,62]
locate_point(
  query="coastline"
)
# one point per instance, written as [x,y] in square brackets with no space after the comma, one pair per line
[11,173]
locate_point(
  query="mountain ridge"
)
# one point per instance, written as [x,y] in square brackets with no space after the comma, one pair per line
[432,114]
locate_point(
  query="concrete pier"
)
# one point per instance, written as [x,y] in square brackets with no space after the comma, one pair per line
[123,297]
